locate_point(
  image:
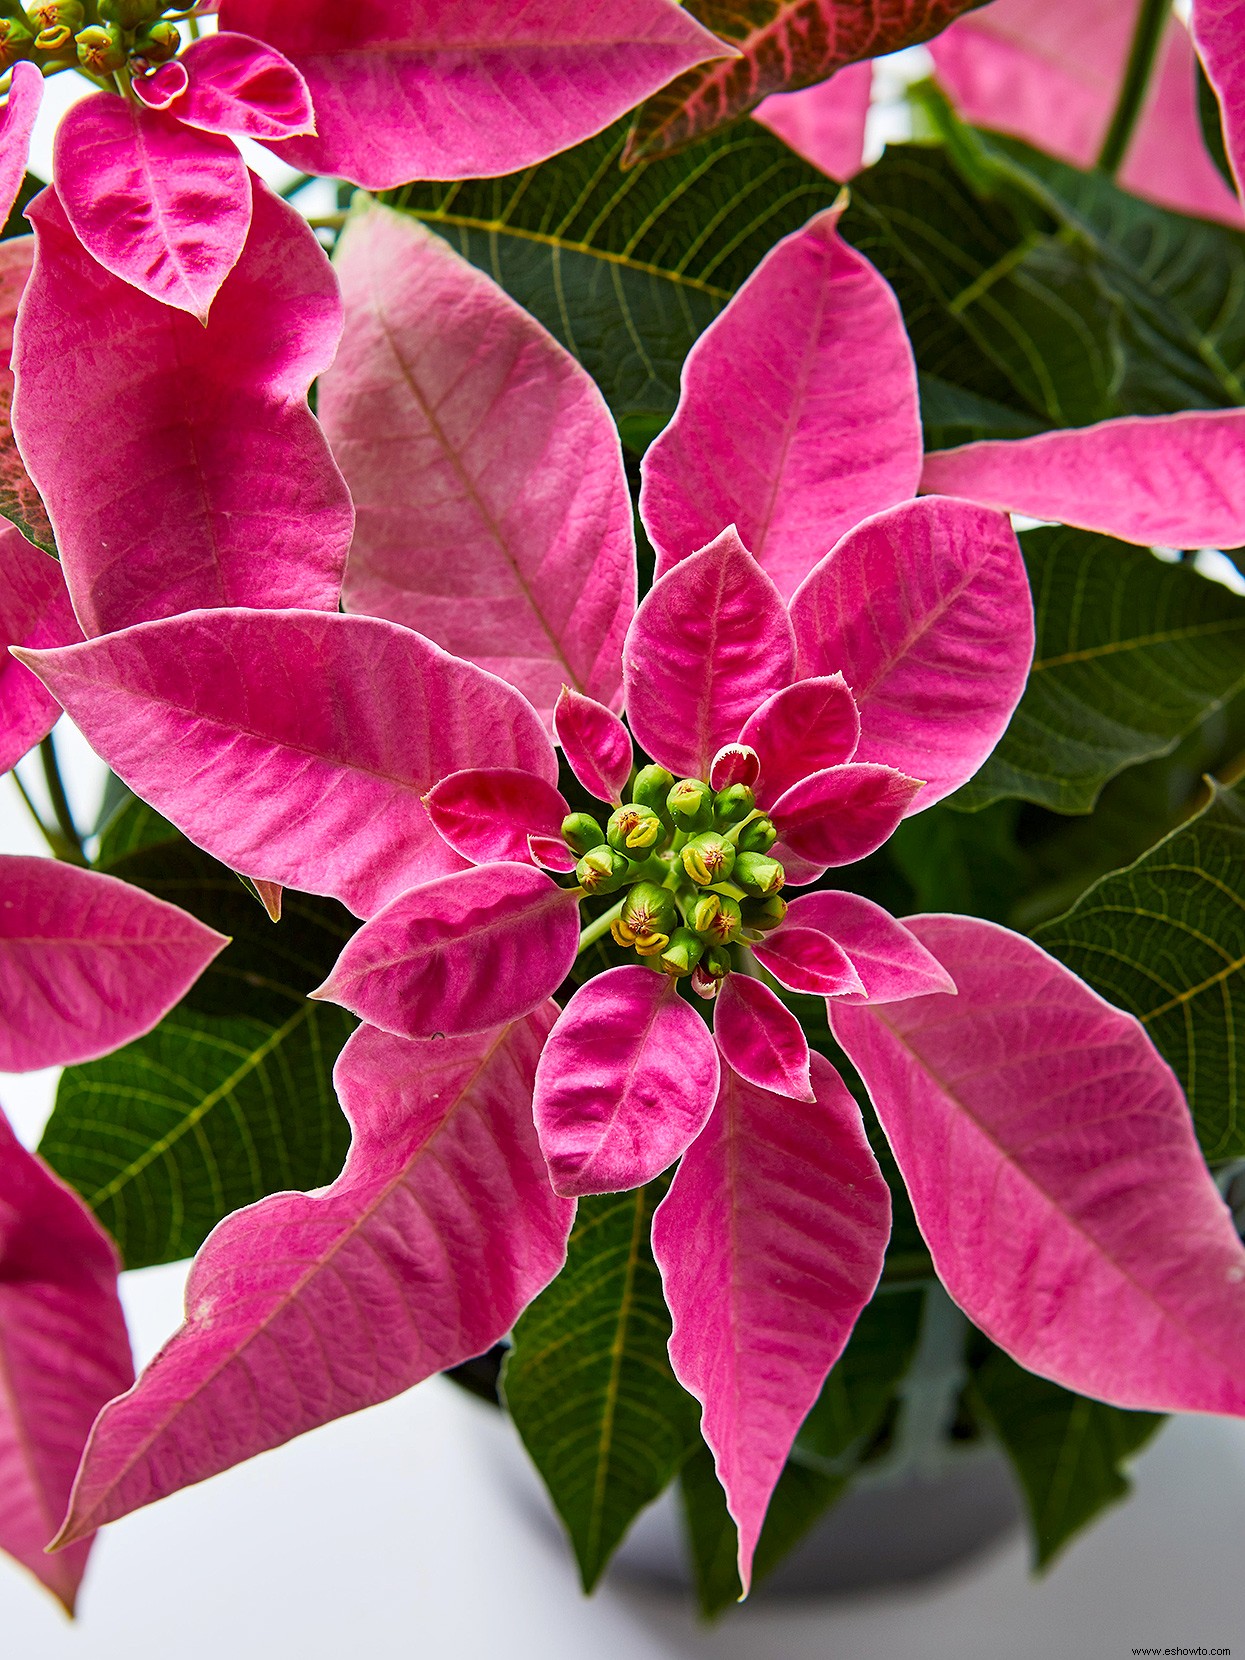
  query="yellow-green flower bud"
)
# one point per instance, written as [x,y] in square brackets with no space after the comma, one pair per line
[602,870]
[690,804]
[759,875]
[652,785]
[764,914]
[16,41]
[710,971]
[757,837]
[102,50]
[727,924]
[581,832]
[130,14]
[704,911]
[57,21]
[709,858]
[649,909]
[683,952]
[157,43]
[634,829]
[733,804]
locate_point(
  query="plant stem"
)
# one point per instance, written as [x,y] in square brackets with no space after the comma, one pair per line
[50,836]
[1147,34]
[60,803]
[598,928]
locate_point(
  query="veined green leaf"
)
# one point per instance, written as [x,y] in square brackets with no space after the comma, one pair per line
[588,1381]
[1068,1452]
[1131,654]
[1165,939]
[231,1097]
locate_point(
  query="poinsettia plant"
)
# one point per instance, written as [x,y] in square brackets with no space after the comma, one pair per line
[587,722]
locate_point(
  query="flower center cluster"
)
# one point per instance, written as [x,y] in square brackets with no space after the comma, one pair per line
[128,31]
[695,863]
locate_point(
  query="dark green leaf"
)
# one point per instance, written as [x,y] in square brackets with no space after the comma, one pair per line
[1210,118]
[856,1395]
[958,861]
[588,1381]
[1000,302]
[1067,1451]
[127,824]
[626,269]
[231,1097]
[1165,939]
[1179,283]
[1132,653]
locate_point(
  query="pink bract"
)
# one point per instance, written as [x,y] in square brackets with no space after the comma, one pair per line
[20,502]
[87,962]
[180,465]
[798,413]
[710,642]
[824,123]
[64,1352]
[761,1039]
[34,611]
[595,742]
[1217,28]
[416,89]
[1054,1171]
[926,612]
[806,726]
[303,1307]
[314,738]
[228,83]
[493,813]
[465,953]
[1049,71]
[770,1242]
[21,109]
[625,1083]
[159,205]
[1171,480]
[493,515]
[891,962]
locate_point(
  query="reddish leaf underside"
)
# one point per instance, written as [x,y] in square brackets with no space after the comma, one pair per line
[785,44]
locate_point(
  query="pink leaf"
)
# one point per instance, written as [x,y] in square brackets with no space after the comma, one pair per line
[595,742]
[551,853]
[760,1037]
[488,814]
[17,122]
[64,1352]
[1051,74]
[161,89]
[1054,1171]
[295,745]
[1217,26]
[181,465]
[160,206]
[422,90]
[770,1242]
[87,962]
[844,813]
[461,954]
[711,641]
[805,727]
[890,960]
[494,516]
[238,85]
[808,960]
[34,611]
[797,416]
[303,1307]
[926,611]
[20,502]
[824,123]
[1156,480]
[626,1082]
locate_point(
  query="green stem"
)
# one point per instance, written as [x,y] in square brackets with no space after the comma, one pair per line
[1147,34]
[49,836]
[60,802]
[598,928]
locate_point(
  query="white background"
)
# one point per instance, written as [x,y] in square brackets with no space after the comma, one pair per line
[394,1534]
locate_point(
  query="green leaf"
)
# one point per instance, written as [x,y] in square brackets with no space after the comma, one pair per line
[1210,119]
[1179,283]
[834,1439]
[1165,940]
[1068,1452]
[231,1097]
[626,269]
[959,861]
[127,824]
[1132,653]
[1000,302]
[588,1381]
